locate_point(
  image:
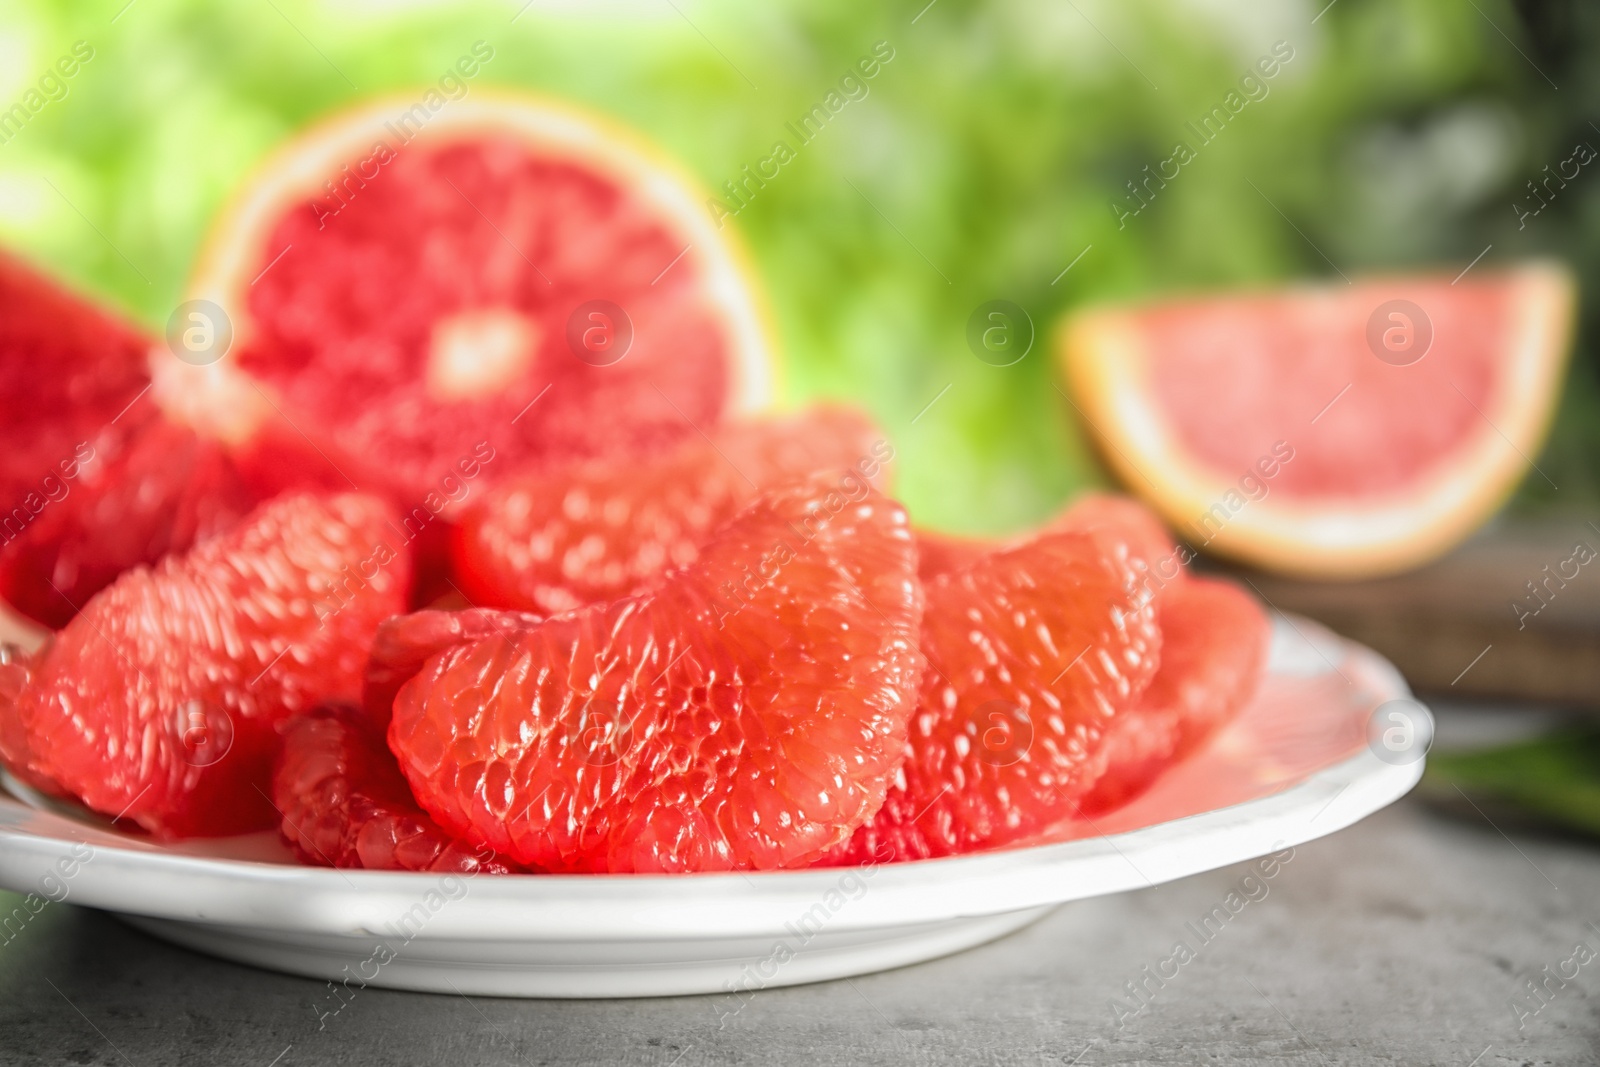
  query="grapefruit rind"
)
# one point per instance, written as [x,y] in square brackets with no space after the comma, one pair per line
[222,401]
[1107,369]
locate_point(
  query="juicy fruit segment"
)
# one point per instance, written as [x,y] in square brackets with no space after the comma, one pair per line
[158,702]
[1213,650]
[1034,653]
[745,714]
[1331,430]
[1122,525]
[552,542]
[92,480]
[141,491]
[405,642]
[344,803]
[515,273]
[67,369]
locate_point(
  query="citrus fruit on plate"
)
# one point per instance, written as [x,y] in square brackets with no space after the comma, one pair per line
[344,803]
[159,701]
[595,531]
[1034,651]
[92,479]
[746,713]
[401,297]
[1327,430]
[1292,767]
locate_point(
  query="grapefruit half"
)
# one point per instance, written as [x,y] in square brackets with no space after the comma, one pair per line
[1334,431]
[410,290]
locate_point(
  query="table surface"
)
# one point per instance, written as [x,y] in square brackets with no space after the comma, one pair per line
[1405,939]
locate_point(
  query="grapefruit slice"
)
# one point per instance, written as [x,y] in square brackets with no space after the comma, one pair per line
[421,299]
[1213,653]
[93,480]
[68,369]
[344,803]
[1328,431]
[155,489]
[405,642]
[1034,653]
[159,701]
[597,531]
[746,713]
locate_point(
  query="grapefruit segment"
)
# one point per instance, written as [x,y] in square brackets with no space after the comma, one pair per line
[1034,652]
[92,479]
[555,541]
[1213,651]
[746,713]
[1335,431]
[514,273]
[149,487]
[344,804]
[405,642]
[158,702]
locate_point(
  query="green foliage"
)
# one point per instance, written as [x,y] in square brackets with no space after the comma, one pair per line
[985,157]
[1554,779]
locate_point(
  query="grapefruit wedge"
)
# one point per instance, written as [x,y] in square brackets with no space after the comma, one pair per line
[419,299]
[1333,431]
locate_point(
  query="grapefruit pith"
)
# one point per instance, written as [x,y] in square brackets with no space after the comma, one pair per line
[1329,430]
[408,291]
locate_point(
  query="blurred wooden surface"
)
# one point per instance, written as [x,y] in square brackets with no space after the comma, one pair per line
[1456,627]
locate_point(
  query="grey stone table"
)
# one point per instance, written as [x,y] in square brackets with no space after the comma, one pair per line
[1408,939]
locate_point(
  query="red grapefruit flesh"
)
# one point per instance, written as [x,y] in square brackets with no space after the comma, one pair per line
[1034,653]
[1336,431]
[406,299]
[344,803]
[747,713]
[67,370]
[92,480]
[1123,526]
[406,642]
[158,702]
[1213,651]
[140,495]
[595,532]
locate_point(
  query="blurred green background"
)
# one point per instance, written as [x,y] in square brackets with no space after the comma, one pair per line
[981,163]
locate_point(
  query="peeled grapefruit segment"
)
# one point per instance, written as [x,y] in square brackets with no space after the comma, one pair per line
[1213,651]
[1034,652]
[509,274]
[158,702]
[747,713]
[1333,431]
[406,642]
[598,531]
[1124,528]
[148,487]
[344,803]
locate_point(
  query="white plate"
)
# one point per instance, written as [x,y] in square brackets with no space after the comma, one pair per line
[1293,767]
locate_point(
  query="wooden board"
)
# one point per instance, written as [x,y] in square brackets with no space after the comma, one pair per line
[1512,614]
